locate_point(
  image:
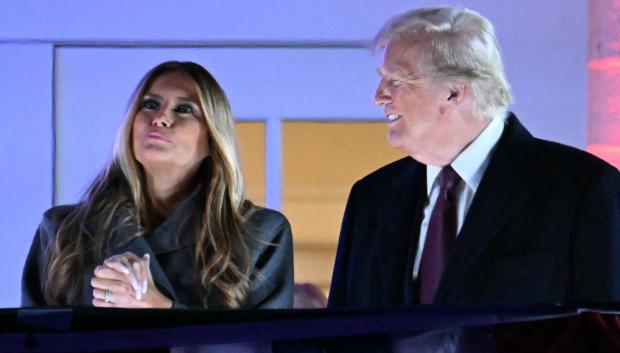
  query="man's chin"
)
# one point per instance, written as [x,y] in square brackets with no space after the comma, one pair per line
[395,140]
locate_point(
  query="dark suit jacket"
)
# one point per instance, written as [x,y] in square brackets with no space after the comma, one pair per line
[171,247]
[543,227]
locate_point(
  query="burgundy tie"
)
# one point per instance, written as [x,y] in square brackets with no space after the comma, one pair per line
[440,235]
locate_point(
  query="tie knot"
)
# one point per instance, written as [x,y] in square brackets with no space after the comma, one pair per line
[448,178]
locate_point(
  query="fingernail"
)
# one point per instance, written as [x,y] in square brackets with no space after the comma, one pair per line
[147,256]
[125,270]
[144,287]
[138,292]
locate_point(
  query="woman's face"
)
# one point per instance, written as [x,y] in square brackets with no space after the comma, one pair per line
[169,130]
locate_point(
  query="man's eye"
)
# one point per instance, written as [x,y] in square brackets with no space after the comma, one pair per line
[395,82]
[184,109]
[150,105]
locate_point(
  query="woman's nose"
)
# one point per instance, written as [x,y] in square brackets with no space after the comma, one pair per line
[162,119]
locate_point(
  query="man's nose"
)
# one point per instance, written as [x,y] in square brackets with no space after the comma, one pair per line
[382,95]
[162,119]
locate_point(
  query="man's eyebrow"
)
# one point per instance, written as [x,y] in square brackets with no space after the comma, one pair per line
[389,70]
[387,73]
[399,73]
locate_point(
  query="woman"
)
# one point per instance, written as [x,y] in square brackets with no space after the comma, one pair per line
[166,224]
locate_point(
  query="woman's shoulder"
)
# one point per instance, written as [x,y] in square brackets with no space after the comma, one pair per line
[58,213]
[267,224]
[53,217]
[266,217]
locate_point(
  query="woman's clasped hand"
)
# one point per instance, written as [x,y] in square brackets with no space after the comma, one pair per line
[125,281]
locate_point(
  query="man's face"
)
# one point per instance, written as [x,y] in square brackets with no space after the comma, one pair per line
[419,109]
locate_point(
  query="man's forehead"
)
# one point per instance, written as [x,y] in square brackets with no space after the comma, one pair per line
[398,59]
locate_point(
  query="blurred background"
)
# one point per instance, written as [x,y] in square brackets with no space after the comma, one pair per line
[300,80]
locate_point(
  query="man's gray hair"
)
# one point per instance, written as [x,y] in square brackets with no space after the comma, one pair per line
[455,43]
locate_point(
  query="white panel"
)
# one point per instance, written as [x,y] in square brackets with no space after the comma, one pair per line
[25,156]
[199,20]
[94,85]
[545,54]
[194,19]
[544,42]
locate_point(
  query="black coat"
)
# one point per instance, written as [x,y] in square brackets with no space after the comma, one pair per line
[171,247]
[543,227]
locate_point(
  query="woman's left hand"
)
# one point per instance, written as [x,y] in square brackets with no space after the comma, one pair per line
[127,280]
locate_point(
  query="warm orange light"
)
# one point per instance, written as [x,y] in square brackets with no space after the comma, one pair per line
[605,64]
[609,153]
[604,105]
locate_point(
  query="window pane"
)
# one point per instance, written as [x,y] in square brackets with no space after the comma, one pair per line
[251,139]
[321,161]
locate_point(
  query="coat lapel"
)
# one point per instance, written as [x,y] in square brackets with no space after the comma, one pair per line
[170,236]
[500,194]
[398,214]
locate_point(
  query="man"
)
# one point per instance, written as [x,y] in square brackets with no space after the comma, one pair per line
[481,211]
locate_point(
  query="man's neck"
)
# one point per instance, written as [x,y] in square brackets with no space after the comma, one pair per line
[455,143]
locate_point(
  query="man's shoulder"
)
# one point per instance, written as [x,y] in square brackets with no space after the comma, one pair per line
[389,173]
[570,159]
[551,155]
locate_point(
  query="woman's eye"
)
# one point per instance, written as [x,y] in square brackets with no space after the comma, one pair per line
[150,105]
[184,109]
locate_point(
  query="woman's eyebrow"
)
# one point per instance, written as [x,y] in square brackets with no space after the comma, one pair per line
[187,99]
[152,95]
[180,98]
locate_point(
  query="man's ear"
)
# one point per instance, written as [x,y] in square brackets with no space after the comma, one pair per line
[457,92]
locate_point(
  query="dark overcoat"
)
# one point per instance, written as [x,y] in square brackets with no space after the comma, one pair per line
[171,247]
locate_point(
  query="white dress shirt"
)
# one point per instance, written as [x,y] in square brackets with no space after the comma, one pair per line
[470,165]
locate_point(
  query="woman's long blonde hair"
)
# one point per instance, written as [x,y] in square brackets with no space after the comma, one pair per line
[221,255]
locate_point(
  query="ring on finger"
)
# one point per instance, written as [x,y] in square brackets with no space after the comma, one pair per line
[107,296]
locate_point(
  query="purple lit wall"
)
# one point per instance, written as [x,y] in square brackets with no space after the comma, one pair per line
[67,69]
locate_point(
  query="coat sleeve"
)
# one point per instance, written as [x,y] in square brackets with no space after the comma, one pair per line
[33,275]
[338,292]
[596,246]
[272,285]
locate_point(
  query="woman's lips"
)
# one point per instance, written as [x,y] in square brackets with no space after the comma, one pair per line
[155,135]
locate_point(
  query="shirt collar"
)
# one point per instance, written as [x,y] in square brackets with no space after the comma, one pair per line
[472,162]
